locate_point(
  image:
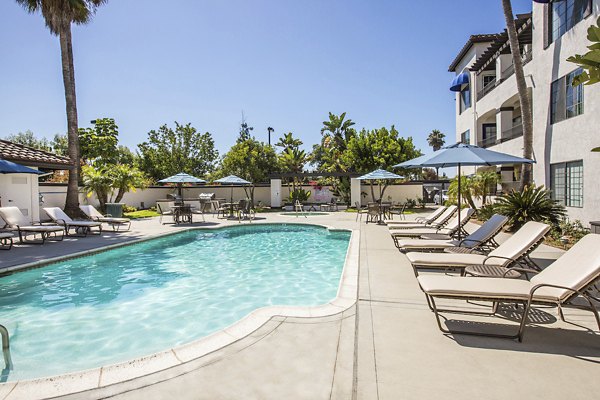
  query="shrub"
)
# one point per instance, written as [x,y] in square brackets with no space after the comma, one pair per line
[128,209]
[532,204]
[299,194]
[410,203]
[421,202]
[485,212]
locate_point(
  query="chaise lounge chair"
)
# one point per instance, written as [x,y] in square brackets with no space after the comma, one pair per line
[449,231]
[59,217]
[565,279]
[95,215]
[480,240]
[15,220]
[420,220]
[515,249]
[6,240]
[439,222]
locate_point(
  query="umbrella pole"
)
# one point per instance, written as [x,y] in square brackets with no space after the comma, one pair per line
[459,196]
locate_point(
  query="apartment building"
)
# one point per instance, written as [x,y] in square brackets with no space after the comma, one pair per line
[566,119]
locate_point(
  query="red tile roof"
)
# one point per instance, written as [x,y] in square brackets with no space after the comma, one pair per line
[488,37]
[29,156]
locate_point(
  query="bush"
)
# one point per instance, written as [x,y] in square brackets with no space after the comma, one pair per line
[421,202]
[300,195]
[485,212]
[411,203]
[572,231]
[128,209]
[532,204]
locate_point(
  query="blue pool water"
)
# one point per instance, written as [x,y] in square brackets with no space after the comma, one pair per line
[147,297]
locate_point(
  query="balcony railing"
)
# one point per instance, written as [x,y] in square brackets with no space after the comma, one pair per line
[504,75]
[514,132]
[486,89]
[487,142]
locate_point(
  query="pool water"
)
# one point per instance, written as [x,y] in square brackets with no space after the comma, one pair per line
[147,297]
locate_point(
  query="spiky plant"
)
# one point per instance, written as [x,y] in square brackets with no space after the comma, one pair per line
[531,204]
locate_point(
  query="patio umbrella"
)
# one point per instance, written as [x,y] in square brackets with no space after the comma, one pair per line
[180,179]
[8,167]
[379,175]
[232,180]
[461,154]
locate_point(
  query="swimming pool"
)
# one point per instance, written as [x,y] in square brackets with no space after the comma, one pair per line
[150,296]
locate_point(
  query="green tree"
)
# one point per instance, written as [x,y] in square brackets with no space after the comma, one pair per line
[58,16]
[292,158]
[60,145]
[379,148]
[524,100]
[100,143]
[126,178]
[27,138]
[96,180]
[288,141]
[483,183]
[436,139]
[111,182]
[590,61]
[250,160]
[168,152]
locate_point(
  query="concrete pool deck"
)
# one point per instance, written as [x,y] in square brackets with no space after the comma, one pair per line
[387,346]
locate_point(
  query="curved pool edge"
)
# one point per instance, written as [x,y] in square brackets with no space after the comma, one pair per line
[101,377]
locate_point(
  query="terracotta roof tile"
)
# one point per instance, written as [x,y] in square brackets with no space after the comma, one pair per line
[33,157]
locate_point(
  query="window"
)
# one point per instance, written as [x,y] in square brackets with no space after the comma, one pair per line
[566,101]
[566,183]
[465,137]
[565,14]
[465,98]
[487,79]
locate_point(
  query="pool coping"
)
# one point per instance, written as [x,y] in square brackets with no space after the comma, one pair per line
[100,377]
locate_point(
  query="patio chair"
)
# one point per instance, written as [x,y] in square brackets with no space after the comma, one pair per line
[420,220]
[373,212]
[482,240]
[164,211]
[515,250]
[399,211]
[439,222]
[200,209]
[15,220]
[82,228]
[6,240]
[449,231]
[565,279]
[95,215]
[359,210]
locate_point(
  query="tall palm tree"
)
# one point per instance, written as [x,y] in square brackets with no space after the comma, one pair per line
[338,130]
[524,100]
[288,141]
[59,15]
[436,139]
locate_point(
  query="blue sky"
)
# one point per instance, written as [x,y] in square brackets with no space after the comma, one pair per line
[284,63]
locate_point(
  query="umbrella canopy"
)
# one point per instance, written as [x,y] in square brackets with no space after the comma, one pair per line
[461,154]
[232,180]
[379,174]
[8,167]
[182,178]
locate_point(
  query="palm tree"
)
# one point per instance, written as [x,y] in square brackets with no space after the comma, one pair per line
[289,142]
[524,100]
[59,15]
[338,131]
[436,139]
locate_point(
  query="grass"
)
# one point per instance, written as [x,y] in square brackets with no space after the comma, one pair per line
[141,214]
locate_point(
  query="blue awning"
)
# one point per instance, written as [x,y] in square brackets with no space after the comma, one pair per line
[458,81]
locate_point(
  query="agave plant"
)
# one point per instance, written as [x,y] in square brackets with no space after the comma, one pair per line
[531,204]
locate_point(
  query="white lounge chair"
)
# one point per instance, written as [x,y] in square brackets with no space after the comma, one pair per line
[515,249]
[450,230]
[481,239]
[15,220]
[439,222]
[95,215]
[59,217]
[420,220]
[565,279]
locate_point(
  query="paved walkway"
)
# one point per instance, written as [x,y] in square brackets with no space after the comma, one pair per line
[386,347]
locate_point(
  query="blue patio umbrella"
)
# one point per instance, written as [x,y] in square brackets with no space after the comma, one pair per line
[233,180]
[461,154]
[379,175]
[9,167]
[180,179]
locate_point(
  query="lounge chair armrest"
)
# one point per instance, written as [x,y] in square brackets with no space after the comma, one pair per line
[519,269]
[541,285]
[500,257]
[462,242]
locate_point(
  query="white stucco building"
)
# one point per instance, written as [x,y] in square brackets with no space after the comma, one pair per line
[566,120]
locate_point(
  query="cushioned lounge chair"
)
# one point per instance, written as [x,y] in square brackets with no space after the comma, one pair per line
[420,220]
[6,240]
[15,220]
[439,222]
[448,231]
[481,240]
[82,228]
[567,278]
[95,215]
[515,249]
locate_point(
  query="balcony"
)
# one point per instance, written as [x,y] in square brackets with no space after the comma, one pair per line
[487,142]
[503,76]
[486,89]
[512,133]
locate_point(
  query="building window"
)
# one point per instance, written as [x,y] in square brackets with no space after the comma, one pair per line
[566,183]
[566,101]
[565,14]
[488,79]
[465,98]
[465,137]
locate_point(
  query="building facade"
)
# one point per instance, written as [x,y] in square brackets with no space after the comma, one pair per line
[566,119]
